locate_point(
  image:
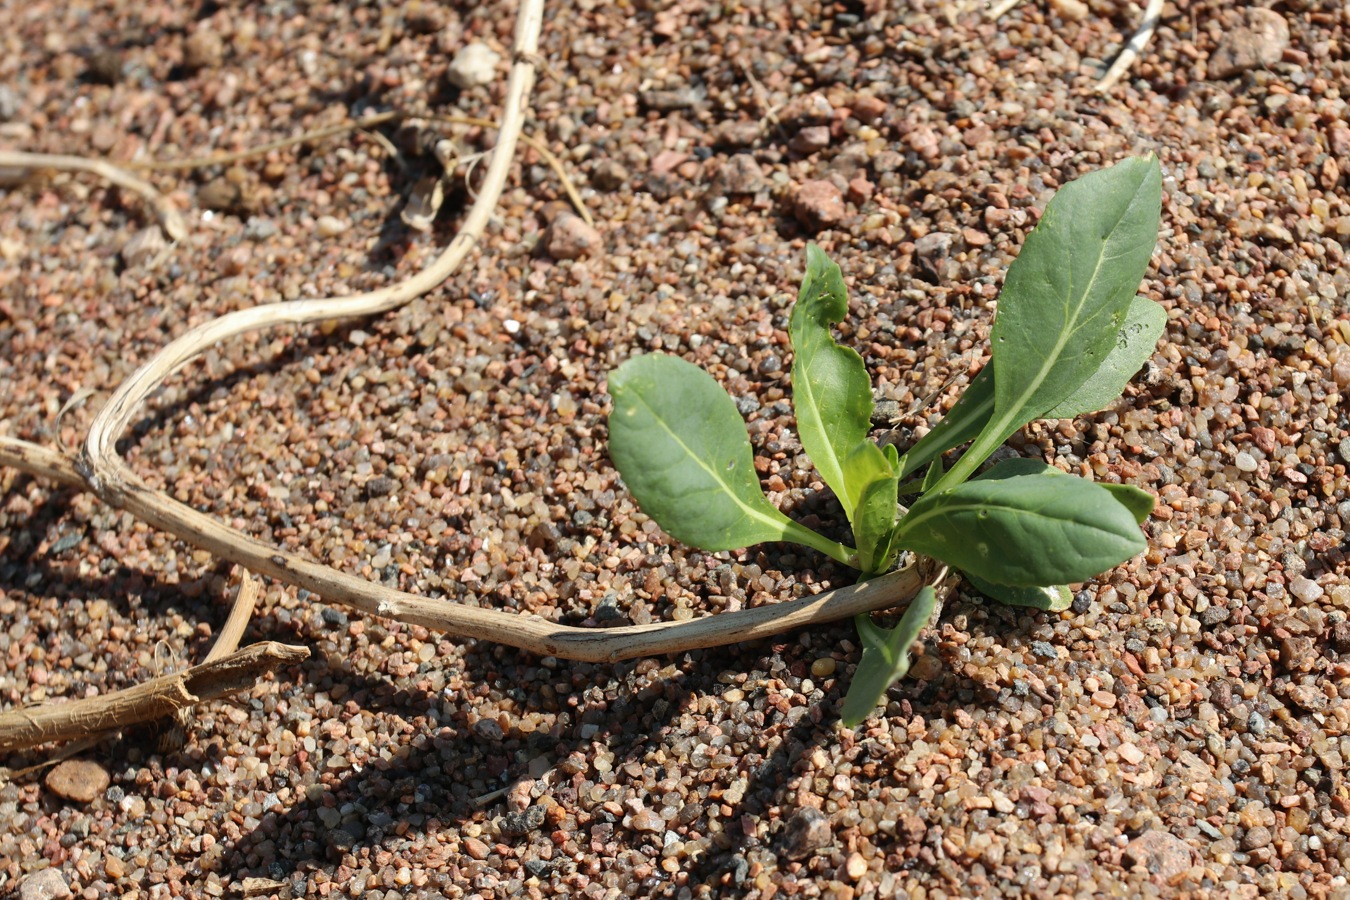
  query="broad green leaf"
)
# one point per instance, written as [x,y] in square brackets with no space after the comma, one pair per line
[1065,298]
[682,448]
[1135,343]
[885,657]
[830,387]
[875,522]
[1025,530]
[1137,500]
[962,423]
[1054,598]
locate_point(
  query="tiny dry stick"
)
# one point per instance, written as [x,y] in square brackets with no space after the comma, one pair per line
[232,632]
[1133,47]
[537,146]
[221,159]
[169,218]
[146,702]
[40,462]
[366,124]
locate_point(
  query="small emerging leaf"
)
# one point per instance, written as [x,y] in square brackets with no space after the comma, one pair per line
[1025,530]
[874,528]
[885,657]
[682,448]
[1054,598]
[932,476]
[833,399]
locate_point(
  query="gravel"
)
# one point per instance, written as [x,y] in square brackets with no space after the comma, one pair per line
[1179,731]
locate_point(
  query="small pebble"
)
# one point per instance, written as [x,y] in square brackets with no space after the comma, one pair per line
[823,667]
[1161,853]
[807,831]
[473,65]
[810,140]
[329,226]
[1261,42]
[569,237]
[143,247]
[645,820]
[45,884]
[739,175]
[80,780]
[819,204]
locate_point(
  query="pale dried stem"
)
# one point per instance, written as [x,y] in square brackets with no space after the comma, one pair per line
[91,718]
[146,702]
[1133,47]
[169,218]
[1001,9]
[241,611]
[526,632]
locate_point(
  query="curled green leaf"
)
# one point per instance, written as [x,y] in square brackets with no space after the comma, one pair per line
[885,658]
[833,399]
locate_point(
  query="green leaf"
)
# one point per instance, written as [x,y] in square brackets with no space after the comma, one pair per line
[682,448]
[875,524]
[932,476]
[1054,598]
[962,423]
[1137,500]
[1135,343]
[1065,299]
[885,657]
[1025,530]
[830,387]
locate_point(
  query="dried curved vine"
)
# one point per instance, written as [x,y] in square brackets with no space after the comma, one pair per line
[100,469]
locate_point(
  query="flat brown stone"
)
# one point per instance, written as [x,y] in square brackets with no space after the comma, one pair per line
[77,779]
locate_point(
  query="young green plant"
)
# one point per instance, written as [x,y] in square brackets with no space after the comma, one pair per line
[1068,335]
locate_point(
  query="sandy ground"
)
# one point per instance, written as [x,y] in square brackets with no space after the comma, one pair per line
[1180,732]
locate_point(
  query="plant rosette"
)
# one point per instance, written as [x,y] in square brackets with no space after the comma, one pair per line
[1068,335]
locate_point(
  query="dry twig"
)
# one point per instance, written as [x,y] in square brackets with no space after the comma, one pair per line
[1133,47]
[169,218]
[224,671]
[146,702]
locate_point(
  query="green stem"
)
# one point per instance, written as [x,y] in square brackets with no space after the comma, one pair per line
[988,440]
[800,534]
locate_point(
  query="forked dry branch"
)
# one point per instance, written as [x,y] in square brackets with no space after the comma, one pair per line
[226,670]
